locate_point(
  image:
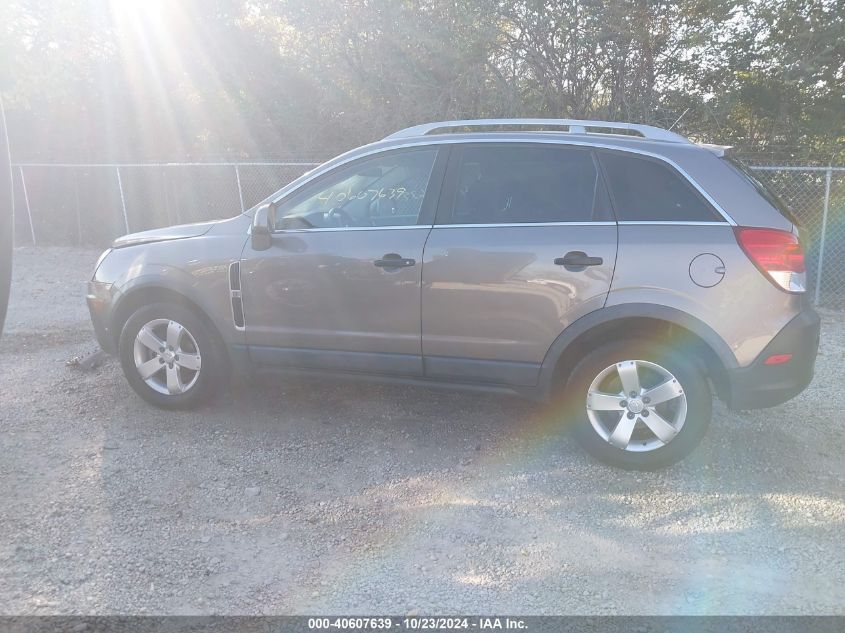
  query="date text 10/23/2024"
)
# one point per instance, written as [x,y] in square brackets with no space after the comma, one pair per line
[417,623]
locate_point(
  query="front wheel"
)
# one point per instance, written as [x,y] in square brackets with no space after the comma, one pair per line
[170,357]
[639,405]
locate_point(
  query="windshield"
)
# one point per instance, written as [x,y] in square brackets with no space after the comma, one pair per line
[763,189]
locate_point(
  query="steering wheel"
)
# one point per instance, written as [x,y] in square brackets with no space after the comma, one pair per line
[342,217]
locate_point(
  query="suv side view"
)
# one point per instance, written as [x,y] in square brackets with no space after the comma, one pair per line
[619,271]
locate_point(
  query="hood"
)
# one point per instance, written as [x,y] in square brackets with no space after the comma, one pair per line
[160,235]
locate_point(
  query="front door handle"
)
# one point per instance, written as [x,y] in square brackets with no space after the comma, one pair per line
[577,261]
[392,260]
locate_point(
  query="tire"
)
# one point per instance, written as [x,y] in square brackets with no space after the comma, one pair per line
[687,407]
[197,343]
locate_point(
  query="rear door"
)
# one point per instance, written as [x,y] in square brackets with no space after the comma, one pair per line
[524,243]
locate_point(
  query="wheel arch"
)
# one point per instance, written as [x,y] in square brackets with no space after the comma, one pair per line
[143,294]
[683,331]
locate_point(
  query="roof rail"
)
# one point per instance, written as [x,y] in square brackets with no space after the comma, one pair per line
[575,126]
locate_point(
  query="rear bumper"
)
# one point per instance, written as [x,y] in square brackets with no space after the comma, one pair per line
[759,386]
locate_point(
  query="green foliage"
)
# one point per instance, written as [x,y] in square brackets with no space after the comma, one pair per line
[152,79]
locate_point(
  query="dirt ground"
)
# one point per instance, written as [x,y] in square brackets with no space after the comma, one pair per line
[303,497]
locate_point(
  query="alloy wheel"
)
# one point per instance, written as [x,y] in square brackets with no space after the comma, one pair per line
[636,405]
[167,356]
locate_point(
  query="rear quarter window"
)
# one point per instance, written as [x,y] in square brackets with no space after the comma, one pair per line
[765,192]
[645,189]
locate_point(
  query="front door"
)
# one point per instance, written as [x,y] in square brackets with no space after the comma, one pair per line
[524,244]
[339,288]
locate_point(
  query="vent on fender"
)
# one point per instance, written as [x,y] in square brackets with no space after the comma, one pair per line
[235,295]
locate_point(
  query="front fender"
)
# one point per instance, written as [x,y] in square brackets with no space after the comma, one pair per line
[199,274]
[165,278]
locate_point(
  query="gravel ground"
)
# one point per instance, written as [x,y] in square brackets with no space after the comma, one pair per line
[342,498]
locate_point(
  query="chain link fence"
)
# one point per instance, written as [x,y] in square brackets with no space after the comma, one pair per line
[816,195]
[89,205]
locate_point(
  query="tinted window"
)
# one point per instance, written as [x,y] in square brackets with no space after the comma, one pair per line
[386,190]
[503,185]
[650,190]
[770,196]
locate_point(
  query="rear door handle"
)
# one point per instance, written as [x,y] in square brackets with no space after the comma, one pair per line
[577,261]
[392,260]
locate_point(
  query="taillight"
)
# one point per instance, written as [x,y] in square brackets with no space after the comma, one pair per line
[778,255]
[778,359]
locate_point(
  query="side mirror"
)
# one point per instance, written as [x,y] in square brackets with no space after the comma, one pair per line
[262,227]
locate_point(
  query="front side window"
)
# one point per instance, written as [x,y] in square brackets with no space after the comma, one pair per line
[386,190]
[523,185]
[649,190]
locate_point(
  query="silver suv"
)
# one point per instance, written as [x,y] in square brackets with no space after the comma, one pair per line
[618,271]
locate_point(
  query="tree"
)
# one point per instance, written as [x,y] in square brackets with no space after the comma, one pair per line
[103,80]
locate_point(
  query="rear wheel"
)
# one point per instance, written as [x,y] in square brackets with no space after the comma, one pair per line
[170,356]
[638,405]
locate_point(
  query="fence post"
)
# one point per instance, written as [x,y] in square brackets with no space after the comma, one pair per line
[28,210]
[826,208]
[166,195]
[122,199]
[78,212]
[240,191]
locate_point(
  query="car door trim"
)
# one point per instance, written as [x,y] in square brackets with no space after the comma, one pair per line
[504,224]
[501,372]
[518,224]
[338,360]
[670,223]
[329,229]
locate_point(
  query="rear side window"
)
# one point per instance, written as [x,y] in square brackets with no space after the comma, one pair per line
[649,190]
[524,185]
[768,195]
